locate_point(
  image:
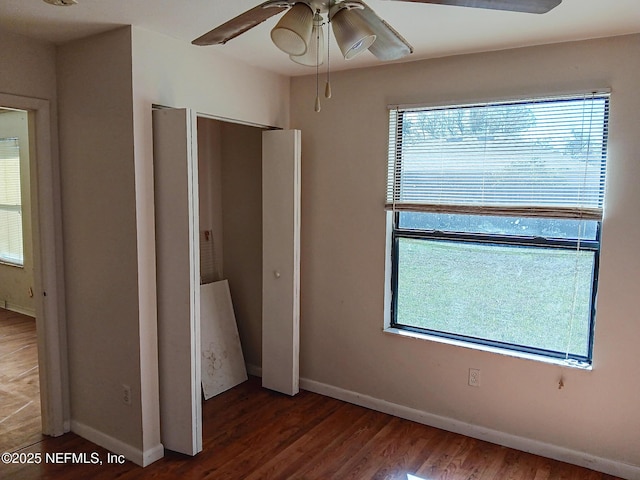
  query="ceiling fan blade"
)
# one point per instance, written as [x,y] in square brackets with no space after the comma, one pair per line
[243,22]
[389,44]
[526,6]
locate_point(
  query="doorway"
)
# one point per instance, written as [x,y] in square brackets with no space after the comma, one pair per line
[259,206]
[230,193]
[210,225]
[181,267]
[40,294]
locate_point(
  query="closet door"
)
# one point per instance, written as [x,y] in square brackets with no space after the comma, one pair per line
[281,260]
[178,282]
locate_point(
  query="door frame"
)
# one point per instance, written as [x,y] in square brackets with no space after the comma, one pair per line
[48,272]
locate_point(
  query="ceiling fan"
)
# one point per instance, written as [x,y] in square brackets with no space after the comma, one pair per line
[355,25]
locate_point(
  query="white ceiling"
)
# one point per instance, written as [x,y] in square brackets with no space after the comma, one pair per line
[433,30]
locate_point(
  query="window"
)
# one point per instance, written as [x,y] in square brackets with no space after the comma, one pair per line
[496,216]
[11,248]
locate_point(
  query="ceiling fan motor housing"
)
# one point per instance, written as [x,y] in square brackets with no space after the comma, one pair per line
[61,3]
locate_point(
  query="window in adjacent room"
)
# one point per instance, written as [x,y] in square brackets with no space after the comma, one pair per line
[496,214]
[11,244]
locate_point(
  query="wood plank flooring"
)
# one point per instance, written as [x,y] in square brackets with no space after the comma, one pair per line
[250,433]
[20,423]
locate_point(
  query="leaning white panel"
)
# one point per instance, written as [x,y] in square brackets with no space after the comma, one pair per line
[222,360]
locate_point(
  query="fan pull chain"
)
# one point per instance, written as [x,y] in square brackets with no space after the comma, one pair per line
[327,87]
[317,106]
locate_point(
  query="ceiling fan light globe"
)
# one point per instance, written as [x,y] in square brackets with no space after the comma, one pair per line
[314,54]
[293,32]
[352,33]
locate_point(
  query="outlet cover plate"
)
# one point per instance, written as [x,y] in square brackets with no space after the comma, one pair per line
[474,377]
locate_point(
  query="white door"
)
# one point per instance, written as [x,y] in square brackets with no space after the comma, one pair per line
[281,260]
[178,283]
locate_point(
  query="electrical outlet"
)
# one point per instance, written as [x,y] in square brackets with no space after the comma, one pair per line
[126,394]
[474,377]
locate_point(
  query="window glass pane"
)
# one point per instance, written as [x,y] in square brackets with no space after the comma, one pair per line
[530,296]
[9,171]
[11,237]
[529,227]
[11,244]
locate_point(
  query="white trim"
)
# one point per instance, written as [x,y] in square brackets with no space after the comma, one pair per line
[137,456]
[157,106]
[474,102]
[237,122]
[48,272]
[13,307]
[569,363]
[611,467]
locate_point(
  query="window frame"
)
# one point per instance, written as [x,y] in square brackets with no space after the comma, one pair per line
[395,233]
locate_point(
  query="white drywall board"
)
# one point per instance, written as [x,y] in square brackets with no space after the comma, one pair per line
[222,359]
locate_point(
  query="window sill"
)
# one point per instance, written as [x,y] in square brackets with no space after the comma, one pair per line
[11,264]
[490,349]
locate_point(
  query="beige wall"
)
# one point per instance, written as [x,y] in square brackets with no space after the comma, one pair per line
[343,255]
[242,232]
[28,67]
[99,210]
[174,74]
[16,283]
[210,205]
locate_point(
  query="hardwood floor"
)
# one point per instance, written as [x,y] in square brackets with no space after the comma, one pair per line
[20,423]
[250,433]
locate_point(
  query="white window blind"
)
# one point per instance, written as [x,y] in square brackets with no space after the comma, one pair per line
[11,248]
[541,157]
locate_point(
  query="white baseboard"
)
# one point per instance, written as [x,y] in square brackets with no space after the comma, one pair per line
[611,467]
[29,312]
[137,456]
